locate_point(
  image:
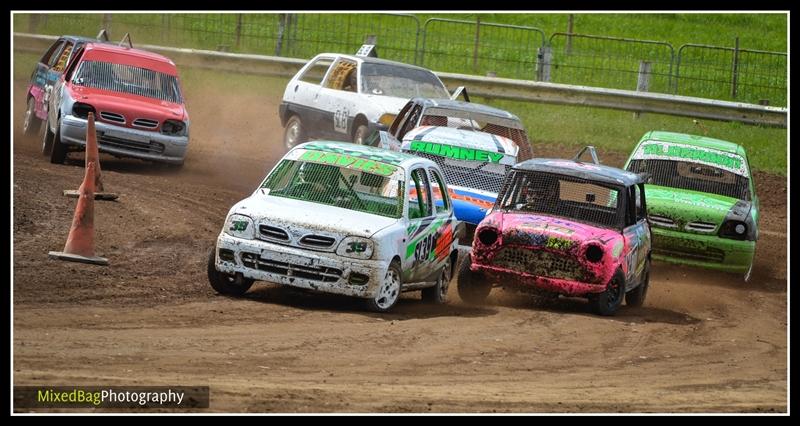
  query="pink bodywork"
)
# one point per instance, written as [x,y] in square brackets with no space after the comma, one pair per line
[38,95]
[565,240]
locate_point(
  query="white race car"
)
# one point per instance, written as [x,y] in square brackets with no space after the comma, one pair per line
[346,219]
[347,97]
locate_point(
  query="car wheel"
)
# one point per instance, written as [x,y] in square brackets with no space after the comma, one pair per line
[59,151]
[294,134]
[437,295]
[360,134]
[232,285]
[608,302]
[32,123]
[473,287]
[636,296]
[388,291]
[47,140]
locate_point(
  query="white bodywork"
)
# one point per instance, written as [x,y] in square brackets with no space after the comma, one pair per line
[333,113]
[328,269]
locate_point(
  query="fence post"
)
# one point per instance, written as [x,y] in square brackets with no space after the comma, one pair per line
[107,22]
[238,30]
[477,43]
[643,81]
[569,33]
[33,23]
[735,75]
[281,30]
[544,56]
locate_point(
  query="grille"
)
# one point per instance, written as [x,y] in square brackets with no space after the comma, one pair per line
[274,233]
[540,263]
[662,221]
[112,116]
[693,176]
[701,227]
[708,254]
[148,147]
[317,241]
[315,273]
[469,174]
[146,123]
[128,79]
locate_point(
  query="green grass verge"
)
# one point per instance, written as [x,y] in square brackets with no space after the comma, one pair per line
[564,125]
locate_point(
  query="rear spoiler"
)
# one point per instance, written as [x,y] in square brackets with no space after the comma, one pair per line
[460,90]
[592,152]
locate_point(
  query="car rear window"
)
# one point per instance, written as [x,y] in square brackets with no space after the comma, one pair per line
[128,79]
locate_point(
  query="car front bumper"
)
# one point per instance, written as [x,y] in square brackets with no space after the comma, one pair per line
[519,279]
[126,142]
[321,271]
[705,251]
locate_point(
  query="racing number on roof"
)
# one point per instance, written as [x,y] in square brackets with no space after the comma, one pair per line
[340,120]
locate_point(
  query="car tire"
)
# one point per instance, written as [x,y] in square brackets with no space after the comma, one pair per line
[437,295]
[360,134]
[59,151]
[294,134]
[473,287]
[32,123]
[635,297]
[608,302]
[47,140]
[223,283]
[388,291]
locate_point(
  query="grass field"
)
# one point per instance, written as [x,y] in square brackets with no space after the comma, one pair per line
[547,124]
[504,51]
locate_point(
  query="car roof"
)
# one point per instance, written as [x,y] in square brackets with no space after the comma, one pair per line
[162,63]
[465,106]
[695,140]
[473,139]
[579,169]
[373,60]
[395,158]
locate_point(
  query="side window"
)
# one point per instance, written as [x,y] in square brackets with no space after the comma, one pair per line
[343,76]
[411,121]
[316,72]
[641,208]
[419,201]
[50,57]
[630,216]
[400,118]
[61,63]
[438,192]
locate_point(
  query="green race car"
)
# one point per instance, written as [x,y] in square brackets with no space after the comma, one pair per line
[701,200]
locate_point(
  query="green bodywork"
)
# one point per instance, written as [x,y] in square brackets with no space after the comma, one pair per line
[677,243]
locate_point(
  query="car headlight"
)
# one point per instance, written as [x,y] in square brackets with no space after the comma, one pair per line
[82,110]
[240,226]
[733,229]
[174,128]
[355,247]
[488,236]
[387,119]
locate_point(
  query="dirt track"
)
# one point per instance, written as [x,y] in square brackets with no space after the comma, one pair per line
[703,341]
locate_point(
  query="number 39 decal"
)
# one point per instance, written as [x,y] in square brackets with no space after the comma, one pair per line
[356,247]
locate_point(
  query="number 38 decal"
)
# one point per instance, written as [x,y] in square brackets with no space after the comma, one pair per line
[340,120]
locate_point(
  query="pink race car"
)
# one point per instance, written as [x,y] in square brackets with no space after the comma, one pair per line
[564,227]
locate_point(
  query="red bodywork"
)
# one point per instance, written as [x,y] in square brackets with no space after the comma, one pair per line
[548,253]
[131,106]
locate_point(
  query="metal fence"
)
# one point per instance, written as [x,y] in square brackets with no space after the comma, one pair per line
[751,76]
[613,62]
[450,45]
[481,48]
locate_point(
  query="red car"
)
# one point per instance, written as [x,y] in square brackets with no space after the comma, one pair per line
[135,96]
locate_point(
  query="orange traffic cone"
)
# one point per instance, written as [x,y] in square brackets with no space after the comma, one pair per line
[80,243]
[93,155]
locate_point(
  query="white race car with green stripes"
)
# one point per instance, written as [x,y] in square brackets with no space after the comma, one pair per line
[346,219]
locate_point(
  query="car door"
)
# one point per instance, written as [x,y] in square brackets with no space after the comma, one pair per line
[65,62]
[636,235]
[339,98]
[445,220]
[303,93]
[41,77]
[420,232]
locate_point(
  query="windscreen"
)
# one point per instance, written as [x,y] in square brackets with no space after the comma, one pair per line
[400,81]
[128,79]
